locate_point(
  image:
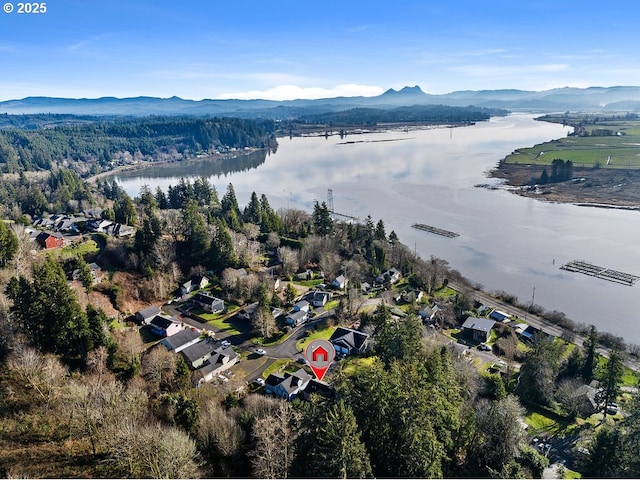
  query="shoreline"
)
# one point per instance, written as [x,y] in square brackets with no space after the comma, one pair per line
[591,187]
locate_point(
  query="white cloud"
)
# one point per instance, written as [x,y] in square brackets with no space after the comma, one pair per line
[293,92]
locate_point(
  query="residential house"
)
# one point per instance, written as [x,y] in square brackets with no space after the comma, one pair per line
[390,276]
[348,341]
[585,400]
[288,386]
[320,298]
[120,230]
[340,282]
[99,225]
[197,354]
[296,318]
[498,316]
[219,361]
[196,282]
[165,326]
[301,306]
[145,315]
[49,240]
[317,387]
[247,312]
[306,275]
[96,273]
[208,302]
[478,328]
[181,340]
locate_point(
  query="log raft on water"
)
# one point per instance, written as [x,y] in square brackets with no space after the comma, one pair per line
[437,231]
[600,272]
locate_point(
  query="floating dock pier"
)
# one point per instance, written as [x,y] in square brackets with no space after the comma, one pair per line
[600,272]
[437,231]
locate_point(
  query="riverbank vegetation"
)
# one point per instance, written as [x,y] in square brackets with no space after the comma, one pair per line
[603,153]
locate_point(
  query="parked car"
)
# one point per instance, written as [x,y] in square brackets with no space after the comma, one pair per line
[260,351]
[485,347]
[612,408]
[225,344]
[260,381]
[301,360]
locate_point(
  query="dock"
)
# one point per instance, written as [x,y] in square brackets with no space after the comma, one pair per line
[586,268]
[437,231]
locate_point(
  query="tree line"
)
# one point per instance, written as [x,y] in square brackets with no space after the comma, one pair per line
[95,144]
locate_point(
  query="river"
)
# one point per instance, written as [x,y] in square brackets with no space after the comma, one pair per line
[506,242]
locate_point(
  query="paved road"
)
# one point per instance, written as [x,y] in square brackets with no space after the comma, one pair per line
[537,322]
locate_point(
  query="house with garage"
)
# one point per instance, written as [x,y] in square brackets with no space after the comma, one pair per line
[479,329]
[320,298]
[197,354]
[196,282]
[301,306]
[288,386]
[218,362]
[145,315]
[347,341]
[296,318]
[389,277]
[181,340]
[165,326]
[340,282]
[208,302]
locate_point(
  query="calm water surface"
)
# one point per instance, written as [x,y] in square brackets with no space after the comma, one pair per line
[506,242]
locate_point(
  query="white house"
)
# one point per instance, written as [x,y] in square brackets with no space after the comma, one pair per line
[340,282]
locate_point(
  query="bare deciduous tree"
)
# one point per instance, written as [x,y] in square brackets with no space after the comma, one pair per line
[218,431]
[158,367]
[275,435]
[289,259]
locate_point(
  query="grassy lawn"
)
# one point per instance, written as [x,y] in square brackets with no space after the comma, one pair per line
[276,339]
[331,304]
[276,366]
[357,365]
[309,283]
[324,334]
[225,324]
[77,249]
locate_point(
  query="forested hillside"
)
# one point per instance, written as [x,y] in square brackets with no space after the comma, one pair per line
[94,146]
[414,114]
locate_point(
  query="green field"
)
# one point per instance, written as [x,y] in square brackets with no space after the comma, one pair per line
[621,148]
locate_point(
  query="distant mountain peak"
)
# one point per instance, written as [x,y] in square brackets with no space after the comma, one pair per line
[416,90]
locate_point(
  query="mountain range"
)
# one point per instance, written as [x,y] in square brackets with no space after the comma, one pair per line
[621,98]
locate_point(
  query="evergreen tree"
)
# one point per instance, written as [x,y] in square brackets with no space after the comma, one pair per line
[196,237]
[610,379]
[338,451]
[8,244]
[322,221]
[84,272]
[48,311]
[380,233]
[252,212]
[590,360]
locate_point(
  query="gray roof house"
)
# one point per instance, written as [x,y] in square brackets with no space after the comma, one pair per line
[181,340]
[288,386]
[218,362]
[340,282]
[208,302]
[479,328]
[320,298]
[198,353]
[348,341]
[196,282]
[296,318]
[301,306]
[145,315]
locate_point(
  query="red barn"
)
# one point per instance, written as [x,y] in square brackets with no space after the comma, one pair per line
[46,240]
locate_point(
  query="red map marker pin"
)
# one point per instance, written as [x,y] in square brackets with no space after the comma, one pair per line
[320,355]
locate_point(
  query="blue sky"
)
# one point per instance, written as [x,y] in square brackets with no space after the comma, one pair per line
[286,49]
